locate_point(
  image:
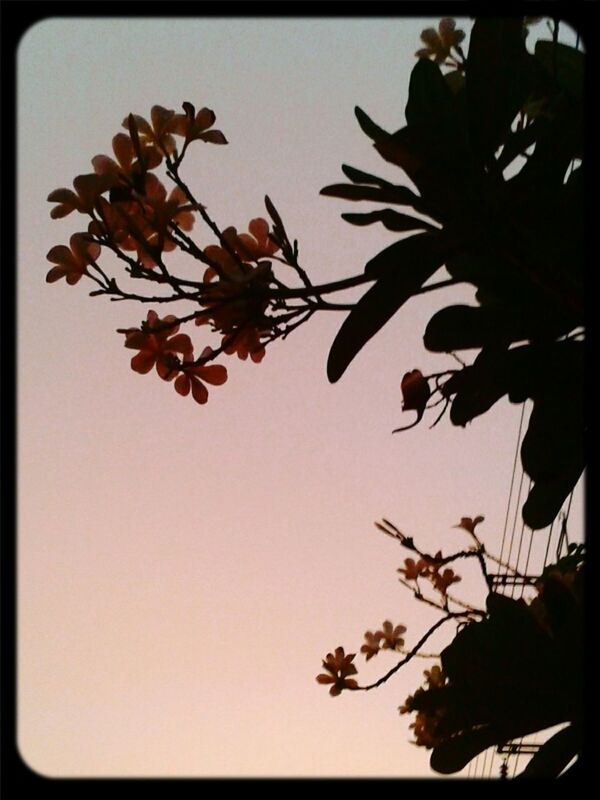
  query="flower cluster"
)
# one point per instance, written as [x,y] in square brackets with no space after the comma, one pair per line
[425,725]
[237,292]
[429,567]
[160,345]
[388,638]
[133,215]
[439,44]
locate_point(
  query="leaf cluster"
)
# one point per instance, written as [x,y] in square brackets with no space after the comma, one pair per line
[495,151]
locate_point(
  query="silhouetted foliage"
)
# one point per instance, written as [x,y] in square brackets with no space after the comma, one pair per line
[515,234]
[494,150]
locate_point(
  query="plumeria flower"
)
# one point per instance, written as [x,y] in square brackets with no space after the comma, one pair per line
[371,647]
[113,223]
[88,189]
[126,168]
[391,636]
[442,581]
[245,342]
[256,244]
[407,706]
[195,126]
[439,43]
[424,727]
[159,131]
[142,223]
[233,268]
[164,211]
[71,262]
[158,345]
[435,677]
[194,377]
[468,523]
[339,666]
[413,569]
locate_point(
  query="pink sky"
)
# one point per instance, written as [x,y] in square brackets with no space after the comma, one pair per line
[183,569]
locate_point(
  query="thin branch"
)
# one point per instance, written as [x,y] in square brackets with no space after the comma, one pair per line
[172,171]
[412,653]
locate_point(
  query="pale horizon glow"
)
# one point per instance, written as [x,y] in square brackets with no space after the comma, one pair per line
[182,570]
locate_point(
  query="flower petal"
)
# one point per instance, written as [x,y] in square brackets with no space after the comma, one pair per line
[199,391]
[143,362]
[183,384]
[215,137]
[215,374]
[60,254]
[180,343]
[204,119]
[325,679]
[55,274]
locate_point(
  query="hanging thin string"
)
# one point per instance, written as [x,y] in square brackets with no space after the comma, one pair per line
[488,752]
[515,586]
[526,568]
[514,524]
[503,570]
[512,481]
[563,538]
[547,547]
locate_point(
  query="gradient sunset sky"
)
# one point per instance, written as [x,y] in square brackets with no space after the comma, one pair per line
[182,570]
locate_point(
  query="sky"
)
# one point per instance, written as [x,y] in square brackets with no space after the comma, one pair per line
[182,570]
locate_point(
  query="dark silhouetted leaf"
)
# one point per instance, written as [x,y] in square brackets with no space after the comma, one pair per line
[437,167]
[399,195]
[564,64]
[516,144]
[479,386]
[380,303]
[554,438]
[455,81]
[358,176]
[498,81]
[423,251]
[135,139]
[392,220]
[464,327]
[554,755]
[273,212]
[455,753]
[430,100]
[547,496]
[372,130]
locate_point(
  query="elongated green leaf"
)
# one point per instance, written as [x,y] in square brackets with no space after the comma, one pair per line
[377,306]
[399,195]
[391,220]
[358,176]
[372,130]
